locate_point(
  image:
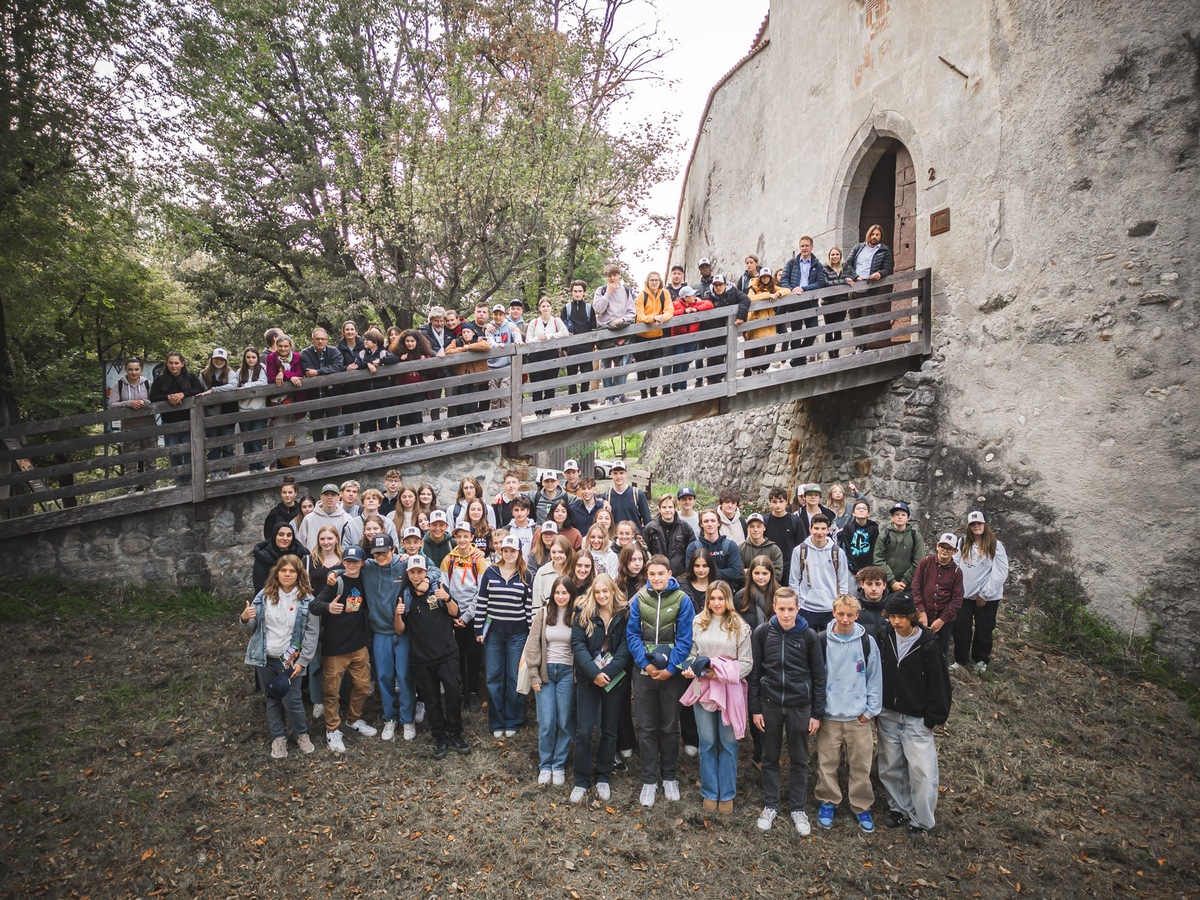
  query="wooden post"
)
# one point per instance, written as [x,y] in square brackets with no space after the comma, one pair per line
[515,409]
[196,446]
[731,354]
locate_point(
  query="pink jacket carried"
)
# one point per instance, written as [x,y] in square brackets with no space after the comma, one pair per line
[726,692]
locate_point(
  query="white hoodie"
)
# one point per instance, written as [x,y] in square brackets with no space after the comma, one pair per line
[815,577]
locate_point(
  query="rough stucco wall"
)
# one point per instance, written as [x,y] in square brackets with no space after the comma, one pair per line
[1065,305]
[208,545]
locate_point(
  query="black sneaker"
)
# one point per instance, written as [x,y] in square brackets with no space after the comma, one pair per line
[442,748]
[917,830]
[895,819]
[474,704]
[460,745]
[619,764]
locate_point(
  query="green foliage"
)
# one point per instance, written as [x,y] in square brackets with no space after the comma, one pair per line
[51,596]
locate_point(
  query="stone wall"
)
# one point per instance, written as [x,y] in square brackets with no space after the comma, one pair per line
[208,545]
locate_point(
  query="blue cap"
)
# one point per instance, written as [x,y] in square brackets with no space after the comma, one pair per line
[900,506]
[354,553]
[685,492]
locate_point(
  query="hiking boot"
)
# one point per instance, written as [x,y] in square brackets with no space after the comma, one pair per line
[895,819]
[361,726]
[577,795]
[649,793]
[334,740]
[671,790]
[279,748]
[389,730]
[800,820]
[865,822]
[304,742]
[460,745]
[603,791]
[441,748]
[825,815]
[767,818]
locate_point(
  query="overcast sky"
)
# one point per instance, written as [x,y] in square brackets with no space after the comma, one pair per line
[710,37]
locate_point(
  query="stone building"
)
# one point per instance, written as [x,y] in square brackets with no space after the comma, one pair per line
[1040,157]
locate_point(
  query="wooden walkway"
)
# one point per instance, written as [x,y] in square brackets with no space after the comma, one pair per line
[80,463]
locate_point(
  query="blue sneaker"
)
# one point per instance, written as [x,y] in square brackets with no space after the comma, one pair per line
[865,822]
[825,815]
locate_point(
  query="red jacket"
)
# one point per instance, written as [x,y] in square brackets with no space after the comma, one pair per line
[681,310]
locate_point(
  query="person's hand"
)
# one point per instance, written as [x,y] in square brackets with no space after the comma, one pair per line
[875,276]
[601,680]
[814,725]
[400,608]
[336,607]
[373,367]
[138,404]
[739,322]
[440,354]
[249,612]
[923,619]
[980,602]
[279,378]
[459,623]
[297,380]
[441,593]
[897,585]
[310,373]
[688,673]
[757,719]
[661,675]
[353,367]
[863,719]
[297,669]
[937,626]
[479,640]
[537,688]
[174,399]
[331,579]
[853,488]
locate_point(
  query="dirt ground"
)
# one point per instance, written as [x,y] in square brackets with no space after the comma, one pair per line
[134,762]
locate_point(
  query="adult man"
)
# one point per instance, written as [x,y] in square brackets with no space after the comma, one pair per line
[349,494]
[803,272]
[500,332]
[439,338]
[819,574]
[329,511]
[580,318]
[616,308]
[707,278]
[722,295]
[625,501]
[676,283]
[321,359]
[869,261]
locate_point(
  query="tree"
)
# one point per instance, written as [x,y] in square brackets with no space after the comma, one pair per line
[386,154]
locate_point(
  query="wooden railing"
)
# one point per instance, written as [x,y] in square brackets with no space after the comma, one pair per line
[75,469]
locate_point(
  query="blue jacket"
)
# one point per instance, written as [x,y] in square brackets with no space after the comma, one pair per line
[305,632]
[853,685]
[681,648]
[791,274]
[383,585]
[726,555]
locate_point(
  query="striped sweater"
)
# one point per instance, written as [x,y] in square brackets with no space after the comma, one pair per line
[508,603]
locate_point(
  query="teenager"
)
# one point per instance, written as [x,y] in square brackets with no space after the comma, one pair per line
[285,510]
[756,602]
[283,641]
[502,505]
[687,508]
[720,662]
[267,553]
[252,373]
[345,634]
[426,612]
[383,582]
[438,542]
[697,576]
[659,635]
[585,506]
[838,503]
[937,590]
[632,569]
[548,657]
[872,598]
[725,555]
[808,504]
[372,501]
[625,501]
[819,574]
[520,526]
[216,378]
[601,656]
[668,535]
[733,526]
[132,391]
[787,695]
[468,489]
[549,490]
[766,290]
[543,539]
[853,698]
[404,514]
[561,562]
[984,565]
[502,621]
[571,478]
[597,543]
[758,544]
[481,530]
[328,512]
[560,515]
[782,526]
[859,535]
[472,342]
[899,548]
[463,569]
[174,386]
[411,346]
[582,576]
[580,318]
[392,482]
[916,699]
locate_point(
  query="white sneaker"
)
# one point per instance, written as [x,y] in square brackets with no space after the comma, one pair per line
[801,821]
[577,795]
[420,716]
[318,710]
[304,742]
[389,730]
[560,777]
[649,793]
[767,818]
[510,732]
[410,731]
[691,750]
[626,754]
[544,777]
[980,667]
[363,728]
[954,666]
[671,790]
[497,734]
[279,748]
[603,792]
[334,740]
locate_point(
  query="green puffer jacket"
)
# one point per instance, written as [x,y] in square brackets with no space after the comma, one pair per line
[898,552]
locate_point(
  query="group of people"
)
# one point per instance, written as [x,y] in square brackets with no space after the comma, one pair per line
[633,631]
[463,341]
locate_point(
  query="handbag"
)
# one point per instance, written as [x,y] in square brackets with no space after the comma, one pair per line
[524,685]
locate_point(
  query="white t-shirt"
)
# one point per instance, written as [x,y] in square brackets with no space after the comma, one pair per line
[862,265]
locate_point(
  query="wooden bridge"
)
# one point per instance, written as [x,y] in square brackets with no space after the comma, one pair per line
[77,469]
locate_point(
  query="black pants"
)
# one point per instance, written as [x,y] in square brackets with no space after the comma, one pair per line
[981,620]
[468,408]
[799,345]
[430,680]
[794,722]
[575,369]
[687,727]
[542,397]
[645,355]
[834,336]
[470,659]
[658,725]
[595,707]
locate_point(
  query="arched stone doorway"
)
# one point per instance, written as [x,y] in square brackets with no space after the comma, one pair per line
[890,201]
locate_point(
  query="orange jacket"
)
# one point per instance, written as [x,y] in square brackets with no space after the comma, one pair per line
[651,305]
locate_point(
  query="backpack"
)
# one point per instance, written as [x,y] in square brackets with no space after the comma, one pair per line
[865,637]
[804,562]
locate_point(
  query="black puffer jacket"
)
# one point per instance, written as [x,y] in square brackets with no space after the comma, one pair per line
[585,648]
[166,384]
[918,685]
[266,554]
[789,669]
[670,540]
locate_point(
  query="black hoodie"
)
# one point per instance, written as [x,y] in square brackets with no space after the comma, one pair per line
[918,685]
[348,630]
[279,515]
[266,554]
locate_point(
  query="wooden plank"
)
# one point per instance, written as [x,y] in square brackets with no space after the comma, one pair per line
[198,451]
[93,512]
[85,489]
[515,410]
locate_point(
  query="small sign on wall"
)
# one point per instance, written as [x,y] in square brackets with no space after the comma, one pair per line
[939,222]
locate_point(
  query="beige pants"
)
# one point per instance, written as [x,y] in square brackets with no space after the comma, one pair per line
[858,740]
[358,664]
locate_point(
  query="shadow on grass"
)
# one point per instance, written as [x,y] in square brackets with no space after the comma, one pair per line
[48,596]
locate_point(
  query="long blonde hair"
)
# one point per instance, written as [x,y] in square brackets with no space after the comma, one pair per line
[845,498]
[315,549]
[731,621]
[588,608]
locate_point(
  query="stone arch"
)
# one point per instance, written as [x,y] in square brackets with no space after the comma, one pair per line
[877,136]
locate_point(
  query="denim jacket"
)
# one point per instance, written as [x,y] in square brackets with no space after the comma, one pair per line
[305,632]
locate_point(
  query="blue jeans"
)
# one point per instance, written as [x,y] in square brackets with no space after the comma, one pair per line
[391,670]
[556,716]
[680,368]
[289,710]
[254,446]
[177,439]
[718,756]
[502,653]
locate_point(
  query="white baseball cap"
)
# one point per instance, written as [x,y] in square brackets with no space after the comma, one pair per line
[949,539]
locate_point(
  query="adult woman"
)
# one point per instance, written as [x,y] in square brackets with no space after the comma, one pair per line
[743,283]
[561,562]
[598,542]
[560,515]
[653,307]
[174,386]
[251,374]
[869,261]
[601,658]
[548,658]
[132,391]
[696,577]
[373,356]
[468,489]
[266,553]
[835,274]
[284,367]
[756,602]
[984,564]
[720,654]
[405,513]
[843,510]
[542,331]
[283,641]
[215,376]
[411,347]
[506,609]
[763,289]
